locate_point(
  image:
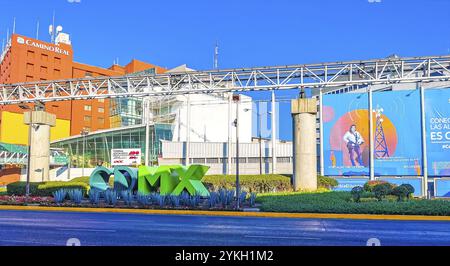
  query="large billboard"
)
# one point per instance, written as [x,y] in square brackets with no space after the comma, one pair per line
[346,134]
[397,133]
[437,112]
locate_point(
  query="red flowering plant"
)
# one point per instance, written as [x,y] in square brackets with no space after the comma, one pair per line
[22,199]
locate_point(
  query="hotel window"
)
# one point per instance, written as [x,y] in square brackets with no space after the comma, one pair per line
[30,54]
[88,74]
[29,78]
[87,108]
[101,110]
[30,68]
[57,73]
[101,100]
[101,121]
[43,70]
[44,57]
[57,61]
[87,119]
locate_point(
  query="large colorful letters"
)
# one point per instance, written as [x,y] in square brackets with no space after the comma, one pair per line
[170,179]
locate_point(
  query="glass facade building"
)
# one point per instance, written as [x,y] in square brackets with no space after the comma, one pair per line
[95,148]
[125,112]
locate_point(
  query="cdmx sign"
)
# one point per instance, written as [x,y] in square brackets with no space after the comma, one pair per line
[170,179]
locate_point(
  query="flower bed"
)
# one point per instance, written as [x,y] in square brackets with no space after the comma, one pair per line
[20,200]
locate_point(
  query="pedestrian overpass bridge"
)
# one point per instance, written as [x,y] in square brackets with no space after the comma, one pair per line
[12,154]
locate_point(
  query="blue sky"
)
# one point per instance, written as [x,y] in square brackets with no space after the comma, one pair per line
[250,32]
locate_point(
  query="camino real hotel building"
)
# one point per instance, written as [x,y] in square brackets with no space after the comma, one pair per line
[87,130]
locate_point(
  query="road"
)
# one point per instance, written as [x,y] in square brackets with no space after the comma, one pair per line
[19,228]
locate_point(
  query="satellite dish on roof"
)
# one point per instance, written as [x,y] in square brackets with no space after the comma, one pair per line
[59,29]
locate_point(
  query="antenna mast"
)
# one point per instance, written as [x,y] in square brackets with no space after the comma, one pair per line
[216,56]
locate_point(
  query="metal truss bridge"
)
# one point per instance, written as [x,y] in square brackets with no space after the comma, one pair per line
[317,76]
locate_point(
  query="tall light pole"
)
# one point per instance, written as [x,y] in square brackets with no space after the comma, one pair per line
[259,115]
[237,99]
[30,126]
[84,133]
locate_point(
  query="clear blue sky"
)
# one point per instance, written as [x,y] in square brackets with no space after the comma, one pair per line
[250,32]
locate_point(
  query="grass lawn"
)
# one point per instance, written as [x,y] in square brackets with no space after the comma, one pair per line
[340,202]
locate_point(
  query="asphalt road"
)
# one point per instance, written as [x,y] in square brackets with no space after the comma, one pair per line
[23,228]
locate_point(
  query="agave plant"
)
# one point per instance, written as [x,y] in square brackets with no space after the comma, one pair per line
[127,197]
[111,197]
[59,196]
[194,201]
[94,196]
[76,195]
[162,200]
[230,196]
[184,198]
[213,199]
[242,197]
[144,200]
[252,199]
[175,200]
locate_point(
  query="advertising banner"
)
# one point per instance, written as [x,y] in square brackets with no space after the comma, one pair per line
[437,116]
[125,157]
[348,183]
[346,134]
[442,187]
[397,133]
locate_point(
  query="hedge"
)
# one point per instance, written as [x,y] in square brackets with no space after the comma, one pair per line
[250,183]
[44,189]
[341,202]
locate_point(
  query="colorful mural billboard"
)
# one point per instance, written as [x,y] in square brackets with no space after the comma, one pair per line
[397,133]
[437,117]
[346,131]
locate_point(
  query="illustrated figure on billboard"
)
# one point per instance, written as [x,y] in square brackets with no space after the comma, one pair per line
[354,141]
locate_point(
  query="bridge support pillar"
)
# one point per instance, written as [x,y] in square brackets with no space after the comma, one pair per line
[304,113]
[40,123]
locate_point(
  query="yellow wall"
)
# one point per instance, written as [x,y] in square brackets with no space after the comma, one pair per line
[14,131]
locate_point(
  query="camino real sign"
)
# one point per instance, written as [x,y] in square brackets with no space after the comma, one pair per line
[50,48]
[125,157]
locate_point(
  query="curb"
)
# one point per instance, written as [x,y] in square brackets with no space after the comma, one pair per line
[232,213]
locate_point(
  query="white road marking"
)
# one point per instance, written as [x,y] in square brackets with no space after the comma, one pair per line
[86,230]
[284,237]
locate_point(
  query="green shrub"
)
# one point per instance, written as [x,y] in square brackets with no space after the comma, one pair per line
[341,202]
[382,190]
[410,189]
[403,192]
[249,183]
[44,189]
[369,186]
[19,188]
[326,182]
[83,179]
[357,193]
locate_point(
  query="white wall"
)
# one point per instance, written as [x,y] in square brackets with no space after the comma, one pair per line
[209,119]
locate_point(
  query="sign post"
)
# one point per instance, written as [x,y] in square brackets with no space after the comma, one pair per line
[125,157]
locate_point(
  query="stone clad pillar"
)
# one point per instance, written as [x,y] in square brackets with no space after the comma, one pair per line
[304,113]
[40,144]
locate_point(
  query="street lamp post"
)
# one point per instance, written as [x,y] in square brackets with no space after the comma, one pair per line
[237,99]
[259,115]
[84,133]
